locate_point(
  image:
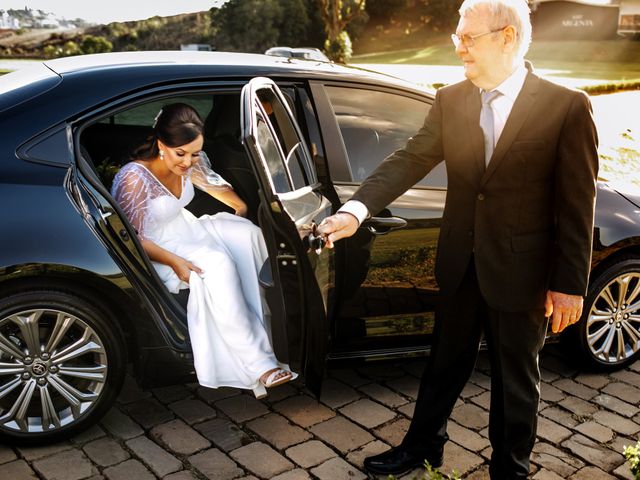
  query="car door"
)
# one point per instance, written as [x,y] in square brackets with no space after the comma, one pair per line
[291,207]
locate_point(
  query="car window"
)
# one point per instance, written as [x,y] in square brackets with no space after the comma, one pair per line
[144,115]
[374,124]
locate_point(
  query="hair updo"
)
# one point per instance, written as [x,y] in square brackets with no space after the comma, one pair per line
[176,124]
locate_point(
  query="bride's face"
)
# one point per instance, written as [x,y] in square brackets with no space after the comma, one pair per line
[179,159]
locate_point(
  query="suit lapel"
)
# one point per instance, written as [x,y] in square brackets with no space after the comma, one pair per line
[473,106]
[519,114]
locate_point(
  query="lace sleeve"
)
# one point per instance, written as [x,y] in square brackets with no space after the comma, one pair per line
[132,191]
[205,178]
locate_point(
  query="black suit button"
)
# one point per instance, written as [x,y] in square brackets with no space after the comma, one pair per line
[481,196]
[470,233]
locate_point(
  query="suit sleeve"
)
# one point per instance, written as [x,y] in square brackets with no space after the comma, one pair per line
[575,195]
[405,167]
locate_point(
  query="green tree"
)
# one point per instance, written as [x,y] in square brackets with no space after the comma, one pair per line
[247,25]
[92,44]
[441,15]
[294,23]
[71,48]
[337,14]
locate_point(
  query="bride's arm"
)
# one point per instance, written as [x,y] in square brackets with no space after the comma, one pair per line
[230,198]
[181,266]
[209,181]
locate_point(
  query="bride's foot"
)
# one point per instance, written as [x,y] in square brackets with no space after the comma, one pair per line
[275,377]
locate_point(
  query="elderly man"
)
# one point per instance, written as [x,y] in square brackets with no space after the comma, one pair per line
[515,241]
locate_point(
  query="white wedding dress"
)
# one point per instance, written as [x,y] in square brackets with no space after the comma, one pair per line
[226,310]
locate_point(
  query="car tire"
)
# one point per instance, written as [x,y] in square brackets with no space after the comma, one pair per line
[608,334]
[62,363]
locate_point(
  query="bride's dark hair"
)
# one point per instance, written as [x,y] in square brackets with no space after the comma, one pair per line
[176,124]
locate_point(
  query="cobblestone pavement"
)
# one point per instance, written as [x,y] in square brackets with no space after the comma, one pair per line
[187,432]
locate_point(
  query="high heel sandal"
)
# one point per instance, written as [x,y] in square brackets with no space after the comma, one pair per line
[272,380]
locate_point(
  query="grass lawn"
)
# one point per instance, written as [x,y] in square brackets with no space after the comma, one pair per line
[603,60]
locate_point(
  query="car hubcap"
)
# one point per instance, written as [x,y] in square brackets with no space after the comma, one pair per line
[613,325]
[52,369]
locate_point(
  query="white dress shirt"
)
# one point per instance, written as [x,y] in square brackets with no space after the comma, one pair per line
[501,106]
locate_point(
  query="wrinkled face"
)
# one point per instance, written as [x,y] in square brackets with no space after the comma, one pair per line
[179,159]
[484,59]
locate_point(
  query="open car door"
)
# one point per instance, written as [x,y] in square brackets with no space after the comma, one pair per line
[291,206]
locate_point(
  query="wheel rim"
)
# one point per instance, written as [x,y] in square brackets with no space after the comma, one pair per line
[53,367]
[613,324]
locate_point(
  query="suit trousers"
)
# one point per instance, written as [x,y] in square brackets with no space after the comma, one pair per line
[514,340]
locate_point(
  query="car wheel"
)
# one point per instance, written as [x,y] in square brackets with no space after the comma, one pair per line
[608,335]
[61,365]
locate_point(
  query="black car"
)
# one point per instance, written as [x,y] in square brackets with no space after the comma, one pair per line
[80,300]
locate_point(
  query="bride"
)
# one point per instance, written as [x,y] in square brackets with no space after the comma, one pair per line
[218,257]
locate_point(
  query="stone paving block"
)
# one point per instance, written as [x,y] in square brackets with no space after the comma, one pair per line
[213,395]
[544,474]
[624,472]
[303,410]
[335,394]
[277,430]
[483,400]
[596,381]
[623,391]
[180,438]
[33,453]
[552,458]
[92,433]
[470,416]
[594,430]
[560,416]
[261,460]
[408,409]
[593,453]
[223,434]
[278,394]
[627,376]
[337,469]
[579,407]
[481,474]
[367,413]
[373,448]
[551,394]
[297,474]
[481,380]
[149,412]
[551,431]
[459,459]
[383,395]
[349,376]
[471,390]
[591,473]
[618,443]
[616,405]
[342,434]
[635,366]
[466,438]
[121,425]
[131,391]
[556,365]
[616,422]
[67,465]
[172,393]
[215,465]
[131,469]
[105,452]
[574,388]
[310,454]
[182,475]
[18,469]
[192,410]
[242,408]
[406,385]
[393,433]
[6,454]
[159,460]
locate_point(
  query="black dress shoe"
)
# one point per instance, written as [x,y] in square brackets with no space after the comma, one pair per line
[398,461]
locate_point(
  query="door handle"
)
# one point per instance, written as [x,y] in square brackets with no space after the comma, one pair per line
[311,241]
[382,225]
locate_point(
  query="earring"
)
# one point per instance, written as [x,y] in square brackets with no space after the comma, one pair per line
[161,154]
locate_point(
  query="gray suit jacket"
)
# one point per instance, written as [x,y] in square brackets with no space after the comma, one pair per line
[527,217]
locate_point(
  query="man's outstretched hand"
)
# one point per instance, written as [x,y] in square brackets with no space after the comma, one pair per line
[563,309]
[338,226]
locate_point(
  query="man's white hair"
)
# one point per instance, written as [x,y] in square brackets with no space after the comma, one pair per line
[503,13]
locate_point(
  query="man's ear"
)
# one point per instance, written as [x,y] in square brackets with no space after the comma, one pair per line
[510,35]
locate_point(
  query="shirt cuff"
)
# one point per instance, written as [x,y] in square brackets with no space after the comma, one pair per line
[357,209]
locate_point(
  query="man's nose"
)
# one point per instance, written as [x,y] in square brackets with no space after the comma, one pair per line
[461,48]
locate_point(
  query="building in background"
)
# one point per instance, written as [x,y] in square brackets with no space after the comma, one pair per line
[8,22]
[575,19]
[629,18]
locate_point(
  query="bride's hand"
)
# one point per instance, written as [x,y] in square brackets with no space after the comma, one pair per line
[184,267]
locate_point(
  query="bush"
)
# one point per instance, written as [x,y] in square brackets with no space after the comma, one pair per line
[70,48]
[632,455]
[91,44]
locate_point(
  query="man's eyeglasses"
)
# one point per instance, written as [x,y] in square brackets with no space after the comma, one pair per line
[469,40]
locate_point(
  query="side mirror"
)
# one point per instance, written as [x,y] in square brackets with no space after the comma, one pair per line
[382,225]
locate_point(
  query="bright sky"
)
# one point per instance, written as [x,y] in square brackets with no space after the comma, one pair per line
[105,11]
